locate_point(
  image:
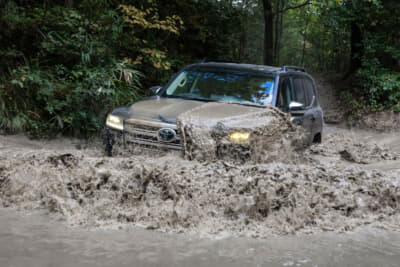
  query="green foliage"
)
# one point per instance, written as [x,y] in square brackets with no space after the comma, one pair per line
[323,33]
[68,73]
[382,88]
[64,67]
[61,100]
[379,73]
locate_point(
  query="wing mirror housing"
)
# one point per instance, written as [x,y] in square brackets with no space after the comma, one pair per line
[296,107]
[155,89]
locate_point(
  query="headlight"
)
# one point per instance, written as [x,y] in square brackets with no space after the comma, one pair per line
[115,122]
[239,136]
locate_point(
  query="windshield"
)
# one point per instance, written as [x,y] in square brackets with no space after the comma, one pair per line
[228,86]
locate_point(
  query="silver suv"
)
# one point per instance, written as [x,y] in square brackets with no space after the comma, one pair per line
[153,121]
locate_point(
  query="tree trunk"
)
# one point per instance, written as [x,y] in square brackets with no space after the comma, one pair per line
[304,47]
[69,4]
[268,32]
[243,35]
[280,31]
[278,49]
[356,47]
[276,28]
[304,43]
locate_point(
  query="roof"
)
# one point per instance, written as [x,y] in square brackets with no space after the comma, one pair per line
[247,67]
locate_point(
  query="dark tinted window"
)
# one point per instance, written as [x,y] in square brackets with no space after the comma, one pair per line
[299,94]
[309,91]
[284,95]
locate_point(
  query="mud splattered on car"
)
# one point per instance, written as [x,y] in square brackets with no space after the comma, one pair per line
[320,190]
[248,133]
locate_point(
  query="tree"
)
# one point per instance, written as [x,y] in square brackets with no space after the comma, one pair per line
[271,40]
[268,32]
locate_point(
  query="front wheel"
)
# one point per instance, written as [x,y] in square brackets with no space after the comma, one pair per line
[108,142]
[109,150]
[317,138]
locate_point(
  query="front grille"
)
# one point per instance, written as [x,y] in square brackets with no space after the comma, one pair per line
[145,133]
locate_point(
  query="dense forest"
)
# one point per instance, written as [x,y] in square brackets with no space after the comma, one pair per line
[66,63]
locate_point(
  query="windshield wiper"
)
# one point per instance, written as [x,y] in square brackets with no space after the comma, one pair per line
[163,119]
[192,98]
[244,103]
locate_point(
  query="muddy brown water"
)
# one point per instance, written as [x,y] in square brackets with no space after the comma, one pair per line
[336,206]
[36,240]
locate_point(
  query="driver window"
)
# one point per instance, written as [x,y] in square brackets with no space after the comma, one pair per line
[284,95]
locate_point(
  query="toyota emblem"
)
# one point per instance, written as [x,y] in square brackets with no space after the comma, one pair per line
[166,135]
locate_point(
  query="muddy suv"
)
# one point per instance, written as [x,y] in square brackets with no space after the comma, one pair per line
[153,121]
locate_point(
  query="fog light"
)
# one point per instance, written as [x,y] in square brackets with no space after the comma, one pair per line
[114,122]
[239,136]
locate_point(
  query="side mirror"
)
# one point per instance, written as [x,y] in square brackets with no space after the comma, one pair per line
[296,107]
[155,89]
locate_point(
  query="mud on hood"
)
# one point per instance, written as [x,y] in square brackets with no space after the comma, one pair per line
[231,115]
[161,109]
[169,109]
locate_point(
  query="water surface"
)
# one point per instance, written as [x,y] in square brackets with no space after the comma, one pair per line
[35,239]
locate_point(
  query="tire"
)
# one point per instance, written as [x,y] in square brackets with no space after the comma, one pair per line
[317,139]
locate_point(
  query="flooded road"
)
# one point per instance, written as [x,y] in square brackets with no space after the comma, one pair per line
[339,206]
[35,239]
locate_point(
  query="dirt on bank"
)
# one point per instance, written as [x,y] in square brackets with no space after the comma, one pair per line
[330,87]
[329,98]
[328,188]
[384,121]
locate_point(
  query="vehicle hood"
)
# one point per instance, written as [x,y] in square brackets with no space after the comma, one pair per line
[161,109]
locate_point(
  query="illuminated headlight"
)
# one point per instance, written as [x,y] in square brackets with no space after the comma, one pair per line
[239,136]
[115,122]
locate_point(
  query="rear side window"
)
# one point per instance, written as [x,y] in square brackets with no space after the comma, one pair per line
[309,91]
[299,93]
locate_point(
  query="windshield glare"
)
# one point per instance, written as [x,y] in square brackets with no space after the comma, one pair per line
[242,87]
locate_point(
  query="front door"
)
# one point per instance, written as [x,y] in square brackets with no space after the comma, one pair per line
[303,96]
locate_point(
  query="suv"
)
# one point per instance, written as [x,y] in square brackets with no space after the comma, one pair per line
[153,120]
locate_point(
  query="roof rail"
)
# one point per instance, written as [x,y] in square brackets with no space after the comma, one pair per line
[292,68]
[218,61]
